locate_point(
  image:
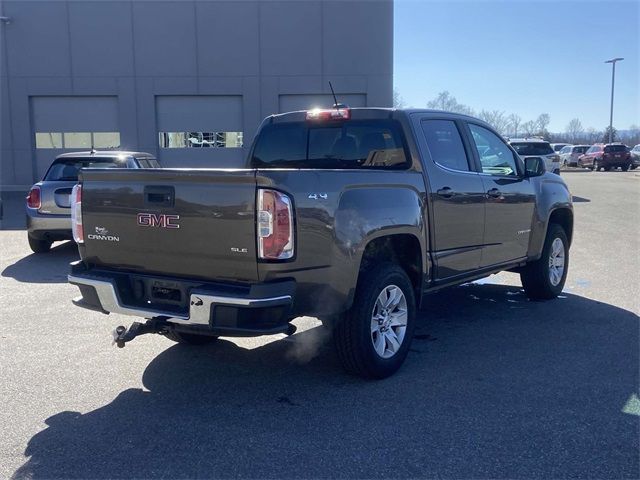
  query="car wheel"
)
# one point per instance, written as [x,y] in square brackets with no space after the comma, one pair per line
[373,337]
[39,246]
[190,338]
[596,166]
[544,278]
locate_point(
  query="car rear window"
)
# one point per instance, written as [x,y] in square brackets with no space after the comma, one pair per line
[615,148]
[532,148]
[67,169]
[148,162]
[351,144]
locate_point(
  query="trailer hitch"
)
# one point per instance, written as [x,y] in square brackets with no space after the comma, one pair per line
[122,335]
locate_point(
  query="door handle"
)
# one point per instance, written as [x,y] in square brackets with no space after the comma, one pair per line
[446,192]
[494,193]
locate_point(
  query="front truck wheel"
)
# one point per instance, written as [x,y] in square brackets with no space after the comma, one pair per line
[37,245]
[373,337]
[544,278]
[190,338]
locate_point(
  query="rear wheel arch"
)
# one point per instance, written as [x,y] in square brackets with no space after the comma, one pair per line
[402,249]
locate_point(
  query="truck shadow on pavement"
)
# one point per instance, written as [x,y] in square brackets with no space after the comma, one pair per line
[494,386]
[50,267]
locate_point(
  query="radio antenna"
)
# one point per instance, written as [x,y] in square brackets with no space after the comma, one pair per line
[335,100]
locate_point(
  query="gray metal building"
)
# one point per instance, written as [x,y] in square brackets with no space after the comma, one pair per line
[188,81]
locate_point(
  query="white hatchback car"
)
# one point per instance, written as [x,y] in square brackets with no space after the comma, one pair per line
[537,147]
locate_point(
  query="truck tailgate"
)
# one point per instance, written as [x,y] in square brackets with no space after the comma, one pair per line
[183,223]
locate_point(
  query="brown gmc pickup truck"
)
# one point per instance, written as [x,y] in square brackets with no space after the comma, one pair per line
[349,215]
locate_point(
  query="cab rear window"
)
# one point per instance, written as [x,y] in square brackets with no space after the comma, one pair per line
[353,144]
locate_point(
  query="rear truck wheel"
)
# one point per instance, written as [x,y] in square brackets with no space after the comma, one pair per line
[373,337]
[39,246]
[544,278]
[190,338]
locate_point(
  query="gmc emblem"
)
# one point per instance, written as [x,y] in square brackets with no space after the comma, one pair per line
[158,220]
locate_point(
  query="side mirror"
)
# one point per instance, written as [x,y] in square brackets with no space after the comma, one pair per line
[534,166]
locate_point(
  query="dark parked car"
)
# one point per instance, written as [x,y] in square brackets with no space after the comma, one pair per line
[48,205]
[606,156]
[350,215]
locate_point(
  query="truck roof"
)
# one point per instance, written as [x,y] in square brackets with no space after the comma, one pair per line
[105,153]
[364,113]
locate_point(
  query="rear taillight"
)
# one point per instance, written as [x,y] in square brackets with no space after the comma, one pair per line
[275,225]
[34,199]
[76,214]
[339,112]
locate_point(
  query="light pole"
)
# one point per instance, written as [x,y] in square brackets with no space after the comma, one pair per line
[613,81]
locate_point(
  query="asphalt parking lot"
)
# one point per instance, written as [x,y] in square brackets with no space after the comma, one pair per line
[494,386]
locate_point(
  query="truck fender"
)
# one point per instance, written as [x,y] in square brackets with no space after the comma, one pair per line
[553,202]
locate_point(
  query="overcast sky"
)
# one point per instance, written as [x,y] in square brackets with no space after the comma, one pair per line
[524,57]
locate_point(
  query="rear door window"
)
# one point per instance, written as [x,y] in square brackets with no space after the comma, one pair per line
[445,144]
[345,145]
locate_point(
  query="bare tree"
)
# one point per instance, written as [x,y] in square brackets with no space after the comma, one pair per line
[634,135]
[496,119]
[574,129]
[593,135]
[529,128]
[514,124]
[445,101]
[398,101]
[542,122]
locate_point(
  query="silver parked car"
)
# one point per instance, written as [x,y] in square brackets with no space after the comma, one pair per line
[635,157]
[48,201]
[569,154]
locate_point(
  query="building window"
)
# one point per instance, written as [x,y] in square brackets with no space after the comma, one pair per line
[200,139]
[77,139]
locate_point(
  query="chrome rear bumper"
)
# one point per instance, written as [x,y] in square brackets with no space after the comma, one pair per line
[102,295]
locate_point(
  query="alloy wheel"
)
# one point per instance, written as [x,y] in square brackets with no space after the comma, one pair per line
[556,262]
[389,321]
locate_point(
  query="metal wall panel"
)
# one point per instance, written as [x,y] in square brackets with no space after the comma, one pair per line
[199,113]
[290,103]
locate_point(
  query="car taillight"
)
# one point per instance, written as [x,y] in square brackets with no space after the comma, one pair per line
[76,214]
[33,199]
[275,225]
[340,113]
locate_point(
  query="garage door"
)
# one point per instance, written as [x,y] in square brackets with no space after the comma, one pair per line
[290,103]
[200,131]
[70,124]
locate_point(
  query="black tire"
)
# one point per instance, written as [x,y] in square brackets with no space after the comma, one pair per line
[535,276]
[633,167]
[352,334]
[39,246]
[190,338]
[596,166]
